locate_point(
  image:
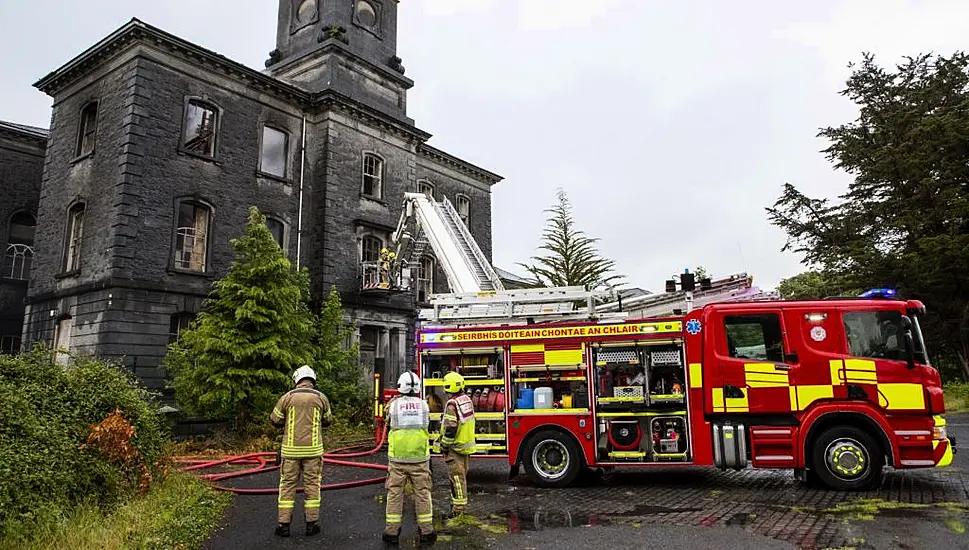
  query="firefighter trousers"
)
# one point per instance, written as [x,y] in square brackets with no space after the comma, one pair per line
[289,473]
[419,475]
[457,474]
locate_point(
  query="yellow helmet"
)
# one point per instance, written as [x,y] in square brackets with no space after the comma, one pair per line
[453,382]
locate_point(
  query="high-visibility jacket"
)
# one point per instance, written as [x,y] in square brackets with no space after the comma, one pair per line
[457,428]
[305,412]
[408,418]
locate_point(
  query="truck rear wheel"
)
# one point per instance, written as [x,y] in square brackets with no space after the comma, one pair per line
[847,459]
[552,459]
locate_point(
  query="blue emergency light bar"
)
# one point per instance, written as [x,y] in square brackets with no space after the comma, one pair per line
[879,293]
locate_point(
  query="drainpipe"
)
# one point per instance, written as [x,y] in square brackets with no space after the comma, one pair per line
[299,215]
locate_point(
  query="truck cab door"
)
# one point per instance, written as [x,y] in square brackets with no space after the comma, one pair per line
[749,349]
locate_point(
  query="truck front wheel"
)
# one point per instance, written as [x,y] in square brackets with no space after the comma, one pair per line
[552,459]
[847,459]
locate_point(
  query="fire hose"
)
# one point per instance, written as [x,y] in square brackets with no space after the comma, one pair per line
[261,460]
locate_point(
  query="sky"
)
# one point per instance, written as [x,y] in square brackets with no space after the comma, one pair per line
[670,125]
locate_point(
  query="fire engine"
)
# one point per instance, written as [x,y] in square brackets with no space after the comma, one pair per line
[832,389]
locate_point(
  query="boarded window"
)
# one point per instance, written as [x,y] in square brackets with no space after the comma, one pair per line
[274,152]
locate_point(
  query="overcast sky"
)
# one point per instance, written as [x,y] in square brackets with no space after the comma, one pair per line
[670,124]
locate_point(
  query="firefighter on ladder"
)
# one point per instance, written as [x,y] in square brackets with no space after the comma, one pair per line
[457,439]
[304,412]
[409,457]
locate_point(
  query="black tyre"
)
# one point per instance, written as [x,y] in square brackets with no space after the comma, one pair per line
[846,458]
[552,459]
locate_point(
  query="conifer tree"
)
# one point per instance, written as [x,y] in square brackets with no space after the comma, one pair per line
[572,258]
[255,329]
[338,365]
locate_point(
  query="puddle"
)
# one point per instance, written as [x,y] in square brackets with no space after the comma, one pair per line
[741,519]
[540,519]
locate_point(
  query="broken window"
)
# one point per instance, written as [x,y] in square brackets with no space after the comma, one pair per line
[373,167]
[191,236]
[425,279]
[201,121]
[272,161]
[427,188]
[85,133]
[20,246]
[370,249]
[179,322]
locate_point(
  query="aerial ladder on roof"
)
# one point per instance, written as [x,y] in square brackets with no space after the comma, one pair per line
[477,293]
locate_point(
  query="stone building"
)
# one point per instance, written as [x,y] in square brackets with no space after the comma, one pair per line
[21,168]
[158,147]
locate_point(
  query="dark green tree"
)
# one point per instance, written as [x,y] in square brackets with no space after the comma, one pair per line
[572,258]
[255,329]
[904,220]
[814,285]
[338,364]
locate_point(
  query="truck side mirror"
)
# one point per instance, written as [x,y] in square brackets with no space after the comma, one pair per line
[909,341]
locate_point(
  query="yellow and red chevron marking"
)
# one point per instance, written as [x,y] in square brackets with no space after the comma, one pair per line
[550,353]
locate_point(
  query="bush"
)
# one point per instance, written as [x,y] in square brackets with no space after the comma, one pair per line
[956,396]
[61,446]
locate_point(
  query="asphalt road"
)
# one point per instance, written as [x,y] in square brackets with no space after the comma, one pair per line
[684,508]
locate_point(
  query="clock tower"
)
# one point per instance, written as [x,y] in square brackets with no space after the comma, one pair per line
[343,46]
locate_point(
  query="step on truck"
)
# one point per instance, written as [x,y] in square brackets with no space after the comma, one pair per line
[833,389]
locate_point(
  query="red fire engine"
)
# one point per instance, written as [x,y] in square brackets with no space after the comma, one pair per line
[834,389]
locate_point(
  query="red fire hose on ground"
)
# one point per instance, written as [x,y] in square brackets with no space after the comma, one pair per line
[262,465]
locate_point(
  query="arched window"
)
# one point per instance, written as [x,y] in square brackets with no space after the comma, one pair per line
[19,254]
[86,130]
[463,207]
[201,127]
[426,187]
[191,235]
[373,170]
[74,238]
[278,229]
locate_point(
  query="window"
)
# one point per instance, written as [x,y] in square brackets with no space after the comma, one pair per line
[427,188]
[75,233]
[425,278]
[85,133]
[367,14]
[373,167]
[875,334]
[370,249]
[19,255]
[191,236]
[755,337]
[275,143]
[277,228]
[10,345]
[201,125]
[179,322]
[464,209]
[62,341]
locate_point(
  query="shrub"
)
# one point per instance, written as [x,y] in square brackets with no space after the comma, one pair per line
[59,443]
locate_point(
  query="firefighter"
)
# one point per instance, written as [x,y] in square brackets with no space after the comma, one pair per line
[409,458]
[304,412]
[457,439]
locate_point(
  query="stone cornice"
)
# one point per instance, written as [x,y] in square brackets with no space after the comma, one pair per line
[462,166]
[136,31]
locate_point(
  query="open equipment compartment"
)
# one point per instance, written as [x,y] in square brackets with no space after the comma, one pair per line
[483,369]
[548,377]
[640,395]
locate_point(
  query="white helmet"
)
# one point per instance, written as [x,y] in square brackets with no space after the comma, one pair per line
[304,372]
[409,383]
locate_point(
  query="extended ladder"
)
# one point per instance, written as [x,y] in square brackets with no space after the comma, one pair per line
[467,269]
[515,306]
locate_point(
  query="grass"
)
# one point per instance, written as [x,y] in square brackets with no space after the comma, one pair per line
[956,396]
[178,514]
